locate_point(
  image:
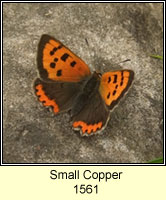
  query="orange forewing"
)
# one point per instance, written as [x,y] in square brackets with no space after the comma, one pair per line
[57,62]
[114,85]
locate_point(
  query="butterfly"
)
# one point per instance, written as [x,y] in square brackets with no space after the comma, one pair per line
[67,84]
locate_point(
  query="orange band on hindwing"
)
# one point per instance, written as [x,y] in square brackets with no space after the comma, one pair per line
[87,128]
[44,99]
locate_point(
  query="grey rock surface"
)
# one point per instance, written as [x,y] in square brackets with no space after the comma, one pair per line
[115,32]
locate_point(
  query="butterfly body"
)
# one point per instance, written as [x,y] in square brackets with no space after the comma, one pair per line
[67,84]
[90,86]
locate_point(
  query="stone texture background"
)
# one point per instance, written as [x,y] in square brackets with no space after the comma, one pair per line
[115,32]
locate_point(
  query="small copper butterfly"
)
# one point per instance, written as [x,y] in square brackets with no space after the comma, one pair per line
[66,84]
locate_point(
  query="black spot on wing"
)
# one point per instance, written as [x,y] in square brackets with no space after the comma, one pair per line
[114,92]
[55,59]
[64,57]
[52,65]
[108,96]
[60,46]
[109,79]
[122,77]
[73,63]
[53,51]
[115,78]
[59,72]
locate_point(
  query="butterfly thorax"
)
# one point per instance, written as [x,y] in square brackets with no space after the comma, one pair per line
[92,84]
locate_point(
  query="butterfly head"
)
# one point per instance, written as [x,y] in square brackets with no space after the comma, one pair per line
[97,75]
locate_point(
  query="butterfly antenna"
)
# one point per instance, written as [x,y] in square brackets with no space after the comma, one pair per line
[87,42]
[124,61]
